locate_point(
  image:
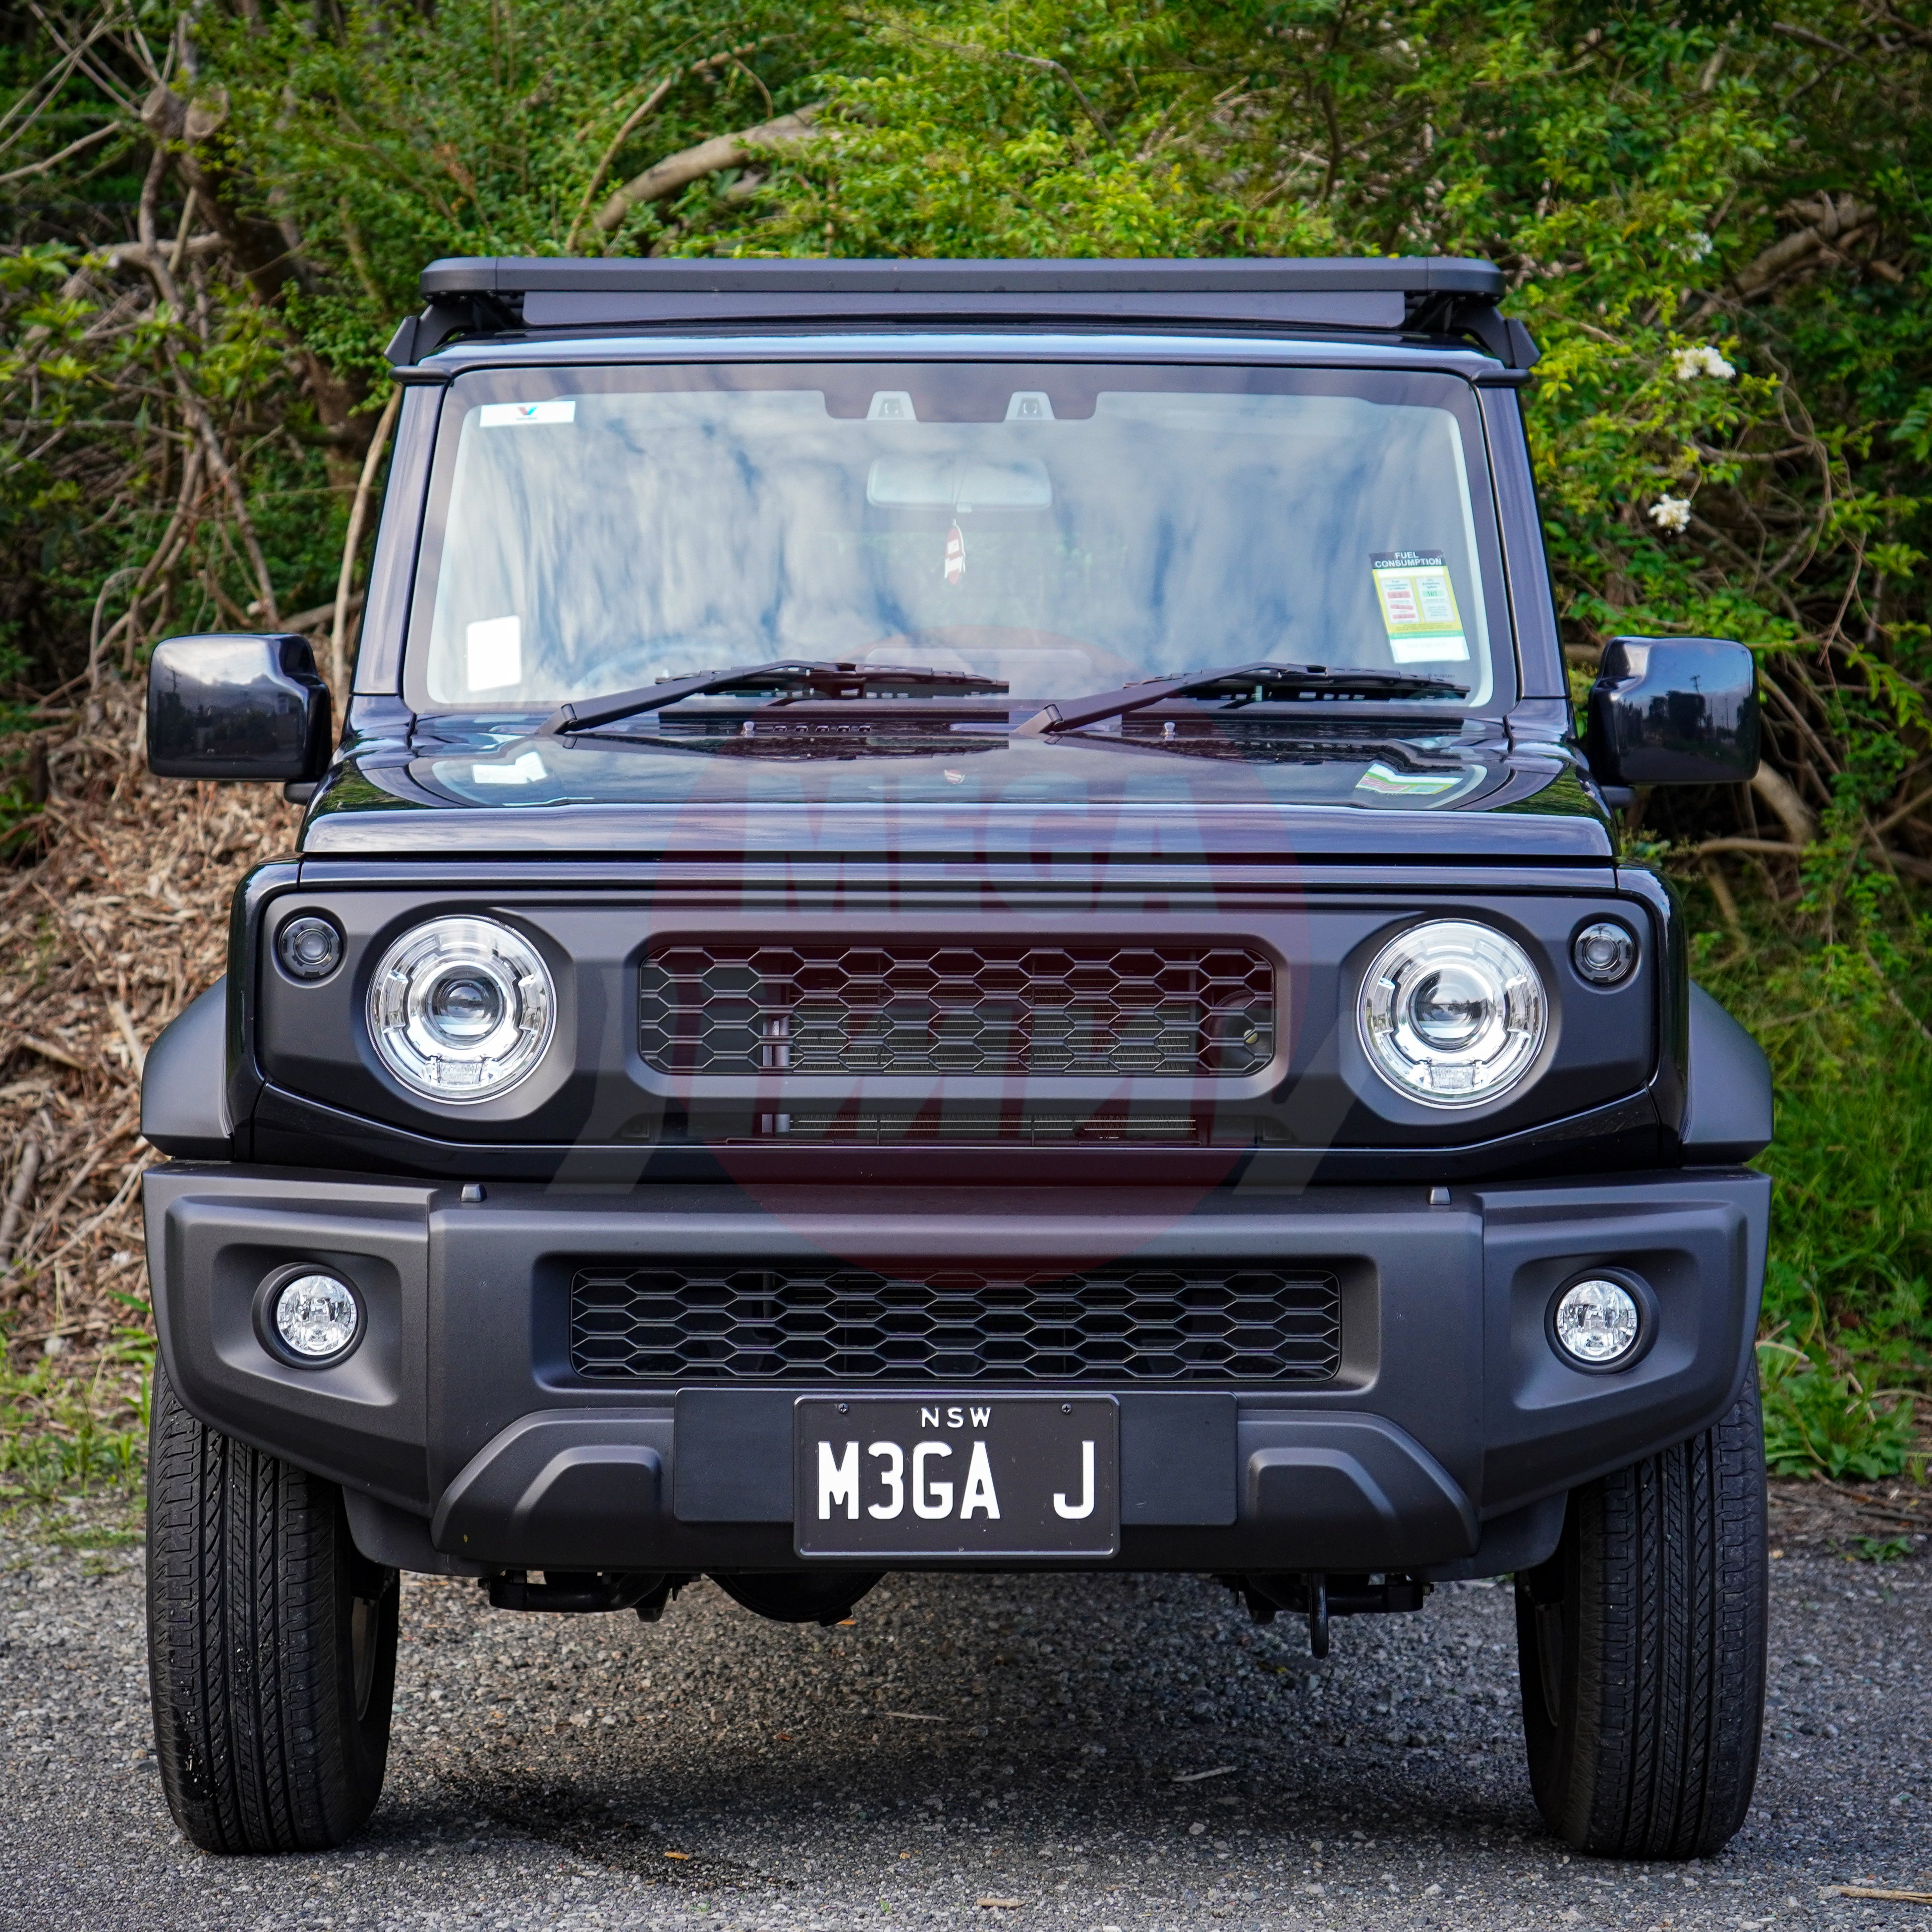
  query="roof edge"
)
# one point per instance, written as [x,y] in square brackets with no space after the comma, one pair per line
[511,275]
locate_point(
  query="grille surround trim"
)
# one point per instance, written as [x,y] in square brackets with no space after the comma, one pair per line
[1223,1323]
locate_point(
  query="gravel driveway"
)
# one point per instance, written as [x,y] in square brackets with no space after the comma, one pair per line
[1094,1752]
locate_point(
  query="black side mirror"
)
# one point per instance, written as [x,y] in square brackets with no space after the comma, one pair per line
[237,706]
[1673,711]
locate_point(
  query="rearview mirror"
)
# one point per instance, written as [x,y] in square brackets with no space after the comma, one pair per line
[944,482]
[1673,711]
[237,706]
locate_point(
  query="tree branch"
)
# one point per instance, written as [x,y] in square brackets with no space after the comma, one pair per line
[338,672]
[648,107]
[1776,845]
[54,160]
[1833,223]
[1039,61]
[1781,795]
[231,484]
[722,151]
[260,247]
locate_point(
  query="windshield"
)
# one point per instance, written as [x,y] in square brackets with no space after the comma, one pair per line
[1062,528]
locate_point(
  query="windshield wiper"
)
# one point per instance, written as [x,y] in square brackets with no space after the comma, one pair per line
[1242,684]
[790,677]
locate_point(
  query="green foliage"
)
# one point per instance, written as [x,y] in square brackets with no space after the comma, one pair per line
[1848,1286]
[1031,129]
[483,129]
[1817,1423]
[62,1436]
[1851,1255]
[1882,1549]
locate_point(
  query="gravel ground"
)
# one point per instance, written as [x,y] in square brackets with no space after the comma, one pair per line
[1088,1752]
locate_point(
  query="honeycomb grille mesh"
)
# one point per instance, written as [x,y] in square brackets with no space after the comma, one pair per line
[697,1321]
[920,1007]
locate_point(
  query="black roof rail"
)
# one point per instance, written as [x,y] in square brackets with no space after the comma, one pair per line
[484,295]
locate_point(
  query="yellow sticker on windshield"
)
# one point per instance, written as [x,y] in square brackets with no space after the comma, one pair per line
[1419,608]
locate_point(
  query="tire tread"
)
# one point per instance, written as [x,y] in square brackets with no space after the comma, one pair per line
[1664,1584]
[259,1748]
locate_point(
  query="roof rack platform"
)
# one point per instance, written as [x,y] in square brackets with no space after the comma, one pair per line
[1409,295]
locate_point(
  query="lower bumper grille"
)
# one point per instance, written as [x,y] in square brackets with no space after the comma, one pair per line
[696,1322]
[955,1127]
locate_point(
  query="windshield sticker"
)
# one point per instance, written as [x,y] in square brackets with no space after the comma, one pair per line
[1419,608]
[494,657]
[527,769]
[1388,783]
[955,554]
[499,415]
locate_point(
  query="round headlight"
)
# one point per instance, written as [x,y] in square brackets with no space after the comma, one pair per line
[461,1008]
[1452,1014]
[316,1317]
[1597,1323]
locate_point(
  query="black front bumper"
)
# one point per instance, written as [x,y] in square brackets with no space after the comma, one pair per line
[467,1441]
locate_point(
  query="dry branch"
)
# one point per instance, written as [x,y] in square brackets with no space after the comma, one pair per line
[67,153]
[648,106]
[338,672]
[121,925]
[1833,224]
[1778,846]
[723,150]
[18,1196]
[1781,795]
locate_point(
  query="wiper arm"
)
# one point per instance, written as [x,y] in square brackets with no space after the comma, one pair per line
[790,677]
[1244,684]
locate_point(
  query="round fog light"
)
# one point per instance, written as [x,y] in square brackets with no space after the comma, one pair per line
[1597,1323]
[317,1318]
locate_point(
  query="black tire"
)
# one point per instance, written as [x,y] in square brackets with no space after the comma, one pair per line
[1641,1648]
[271,1645]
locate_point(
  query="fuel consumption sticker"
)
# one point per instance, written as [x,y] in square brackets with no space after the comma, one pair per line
[1419,607]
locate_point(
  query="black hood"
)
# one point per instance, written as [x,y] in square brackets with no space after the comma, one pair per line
[1426,790]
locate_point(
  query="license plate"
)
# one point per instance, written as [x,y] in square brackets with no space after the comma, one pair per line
[992,1476]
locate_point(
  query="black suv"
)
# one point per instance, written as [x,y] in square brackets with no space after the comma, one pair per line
[960,921]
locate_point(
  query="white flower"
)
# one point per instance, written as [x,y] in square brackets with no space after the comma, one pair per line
[1704,360]
[1672,514]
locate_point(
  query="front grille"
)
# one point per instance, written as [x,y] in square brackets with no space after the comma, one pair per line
[926,1007]
[693,1322]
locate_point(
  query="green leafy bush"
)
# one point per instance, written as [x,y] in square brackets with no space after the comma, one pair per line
[63,1434]
[1815,1422]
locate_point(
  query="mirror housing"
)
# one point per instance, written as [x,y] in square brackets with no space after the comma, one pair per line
[1673,711]
[238,706]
